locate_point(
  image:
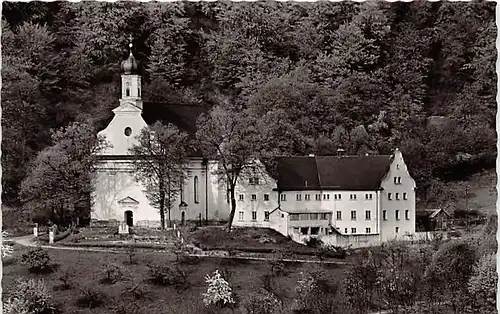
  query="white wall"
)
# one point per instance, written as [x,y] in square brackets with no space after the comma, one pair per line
[125,116]
[398,168]
[334,201]
[259,205]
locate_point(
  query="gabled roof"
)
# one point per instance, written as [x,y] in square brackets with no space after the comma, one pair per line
[349,173]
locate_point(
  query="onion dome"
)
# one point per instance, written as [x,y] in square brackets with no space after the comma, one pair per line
[130,65]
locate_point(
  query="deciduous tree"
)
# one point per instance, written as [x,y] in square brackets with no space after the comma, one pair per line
[161,164]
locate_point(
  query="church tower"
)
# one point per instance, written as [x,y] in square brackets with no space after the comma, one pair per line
[131,81]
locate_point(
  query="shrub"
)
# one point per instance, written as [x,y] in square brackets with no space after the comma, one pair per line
[166,275]
[135,292]
[114,273]
[16,306]
[131,255]
[66,275]
[483,283]
[219,293]
[90,297]
[32,295]
[313,242]
[38,260]
[125,307]
[263,302]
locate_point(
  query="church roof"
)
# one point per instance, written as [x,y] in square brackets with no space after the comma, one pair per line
[350,173]
[182,116]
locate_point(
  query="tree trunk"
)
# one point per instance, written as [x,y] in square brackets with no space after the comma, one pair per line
[233,208]
[162,198]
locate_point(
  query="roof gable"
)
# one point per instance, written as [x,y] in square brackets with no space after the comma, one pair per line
[128,201]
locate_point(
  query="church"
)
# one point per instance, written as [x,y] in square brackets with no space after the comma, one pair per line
[345,200]
[117,194]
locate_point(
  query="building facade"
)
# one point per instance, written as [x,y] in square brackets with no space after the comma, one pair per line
[365,199]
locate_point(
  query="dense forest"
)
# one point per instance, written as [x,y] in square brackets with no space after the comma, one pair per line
[365,77]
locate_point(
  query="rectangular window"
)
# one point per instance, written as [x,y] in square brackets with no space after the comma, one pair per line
[397,214]
[389,196]
[326,196]
[242,197]
[266,216]
[369,196]
[313,216]
[283,197]
[241,215]
[397,196]
[405,196]
[299,197]
[303,216]
[307,197]
[266,197]
[353,196]
[323,216]
[384,215]
[368,230]
[353,215]
[407,214]
[339,215]
[304,230]
[314,230]
[253,181]
[338,196]
[318,197]
[368,215]
[293,216]
[345,230]
[395,180]
[397,229]
[353,230]
[399,180]
[254,197]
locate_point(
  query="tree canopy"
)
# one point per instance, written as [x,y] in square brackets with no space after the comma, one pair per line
[362,76]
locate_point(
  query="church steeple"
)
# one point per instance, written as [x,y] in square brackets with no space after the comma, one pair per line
[131,80]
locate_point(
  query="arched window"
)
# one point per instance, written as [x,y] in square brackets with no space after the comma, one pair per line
[127,92]
[196,189]
[139,92]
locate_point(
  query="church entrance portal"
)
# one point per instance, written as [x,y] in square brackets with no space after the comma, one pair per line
[129,218]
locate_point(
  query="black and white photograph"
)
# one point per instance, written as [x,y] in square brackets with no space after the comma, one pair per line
[263,157]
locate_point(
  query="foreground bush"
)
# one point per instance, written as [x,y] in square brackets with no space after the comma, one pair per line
[91,297]
[166,275]
[263,302]
[114,273]
[38,260]
[31,297]
[219,294]
[483,285]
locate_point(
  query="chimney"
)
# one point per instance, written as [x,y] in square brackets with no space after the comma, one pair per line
[340,152]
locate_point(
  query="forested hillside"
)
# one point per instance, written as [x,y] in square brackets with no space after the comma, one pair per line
[365,77]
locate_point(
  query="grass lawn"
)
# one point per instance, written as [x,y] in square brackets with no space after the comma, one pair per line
[245,277]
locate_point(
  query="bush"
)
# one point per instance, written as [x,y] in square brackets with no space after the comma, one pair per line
[166,275]
[114,273]
[66,275]
[91,298]
[38,260]
[31,297]
[263,302]
[483,283]
[219,294]
[313,242]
